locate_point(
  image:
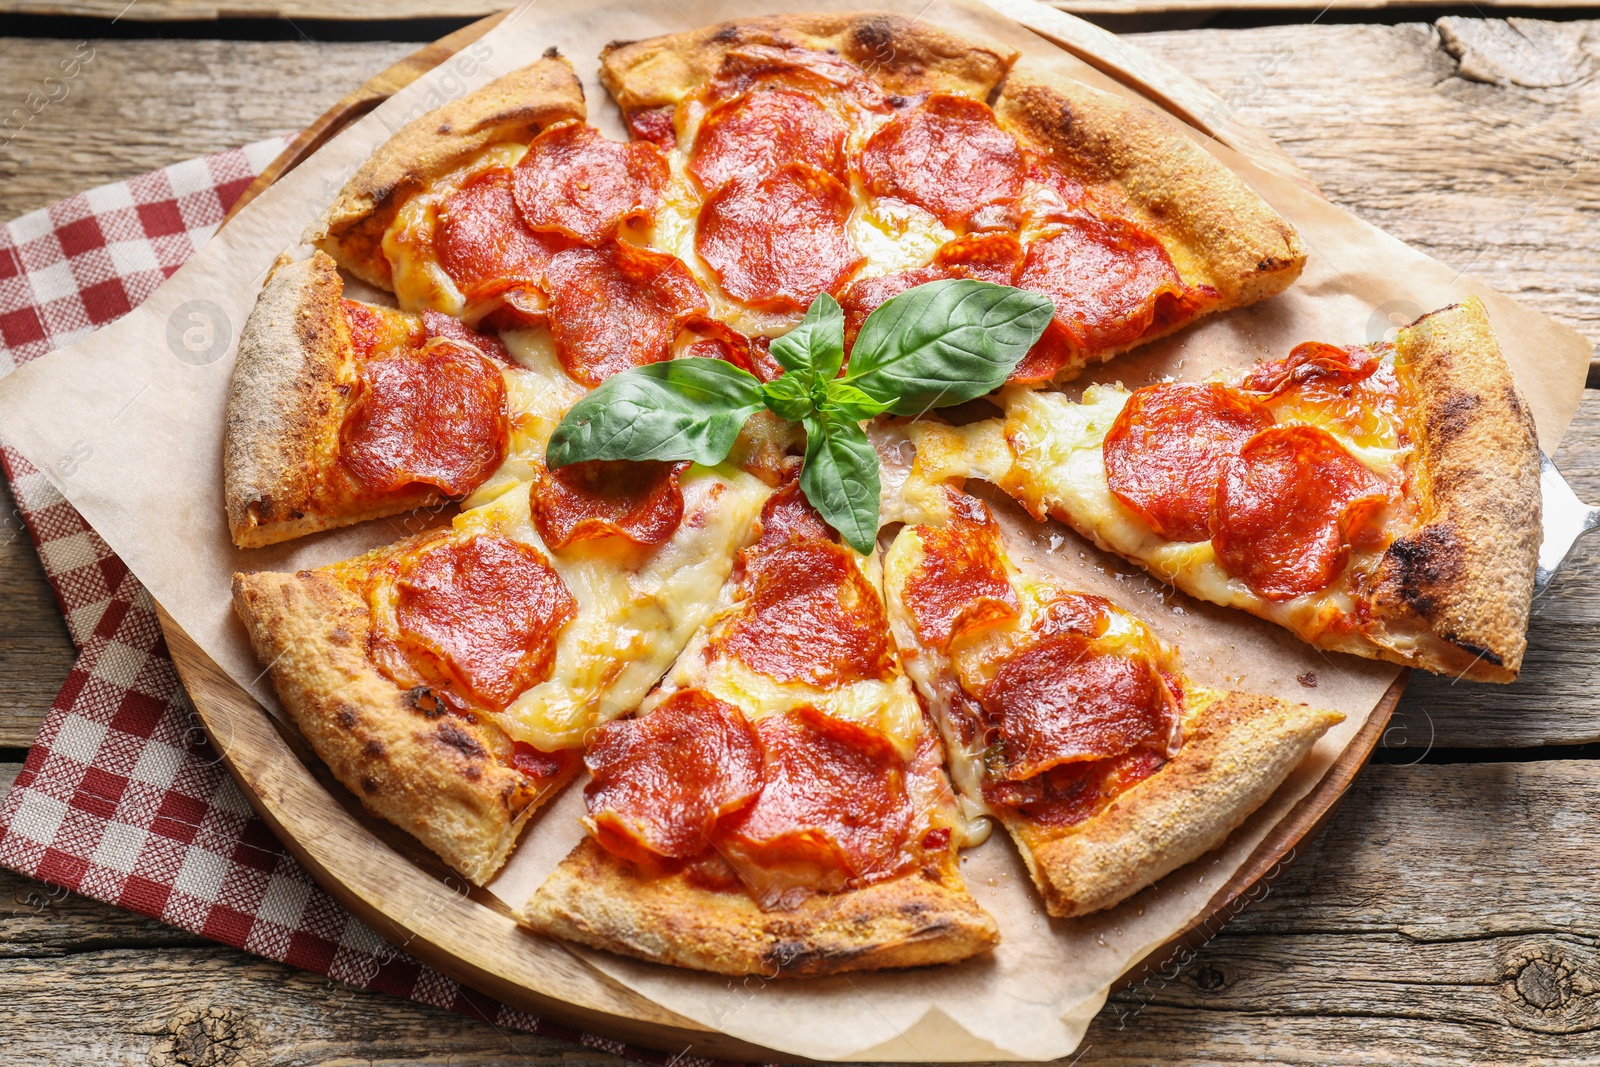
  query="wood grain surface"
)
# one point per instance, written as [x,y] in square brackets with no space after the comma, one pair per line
[1447,915]
[1416,930]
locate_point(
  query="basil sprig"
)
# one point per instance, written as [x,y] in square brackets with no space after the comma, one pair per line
[938,344]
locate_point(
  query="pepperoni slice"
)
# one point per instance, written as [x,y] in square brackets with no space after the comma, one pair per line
[711,338]
[541,766]
[1287,509]
[786,516]
[810,615]
[638,500]
[488,608]
[961,584]
[834,809]
[1082,614]
[576,183]
[1311,361]
[437,416]
[374,332]
[1348,389]
[778,66]
[436,325]
[778,239]
[616,307]
[1111,282]
[763,128]
[1060,701]
[367,330]
[661,781]
[947,156]
[1069,793]
[654,124]
[865,295]
[988,257]
[482,242]
[1164,453]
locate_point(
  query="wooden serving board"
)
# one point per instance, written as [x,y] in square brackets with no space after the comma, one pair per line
[389,881]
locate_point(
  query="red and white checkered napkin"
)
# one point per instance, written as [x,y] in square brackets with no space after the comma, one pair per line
[122,798]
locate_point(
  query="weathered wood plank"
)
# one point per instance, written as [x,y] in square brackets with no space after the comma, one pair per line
[1496,179]
[35,650]
[134,106]
[1447,916]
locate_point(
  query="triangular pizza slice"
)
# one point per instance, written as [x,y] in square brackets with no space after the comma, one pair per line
[1382,501]
[341,411]
[779,804]
[1069,720]
[858,154]
[449,681]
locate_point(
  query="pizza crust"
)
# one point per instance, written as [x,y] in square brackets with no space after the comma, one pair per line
[597,899]
[1217,229]
[513,108]
[904,56]
[280,472]
[431,773]
[1455,594]
[1237,749]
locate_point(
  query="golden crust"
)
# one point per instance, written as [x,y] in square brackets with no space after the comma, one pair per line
[902,55]
[1237,750]
[596,899]
[1465,577]
[431,773]
[515,107]
[1218,230]
[280,474]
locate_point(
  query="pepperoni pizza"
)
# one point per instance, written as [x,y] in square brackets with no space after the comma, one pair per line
[767,791]
[1382,501]
[779,804]
[1069,721]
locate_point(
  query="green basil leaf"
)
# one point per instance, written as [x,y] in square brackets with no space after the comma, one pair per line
[945,342]
[840,478]
[789,396]
[846,401]
[689,408]
[817,344]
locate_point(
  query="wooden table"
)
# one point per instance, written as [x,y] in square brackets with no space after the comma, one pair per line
[1451,912]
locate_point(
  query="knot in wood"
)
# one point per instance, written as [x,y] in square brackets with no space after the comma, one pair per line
[1209,979]
[1551,986]
[207,1037]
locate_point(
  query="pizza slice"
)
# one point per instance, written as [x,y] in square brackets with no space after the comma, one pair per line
[449,680]
[1382,501]
[1069,721]
[479,137]
[857,154]
[778,806]
[341,411]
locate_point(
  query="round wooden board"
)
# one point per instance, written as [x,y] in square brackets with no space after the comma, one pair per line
[405,894]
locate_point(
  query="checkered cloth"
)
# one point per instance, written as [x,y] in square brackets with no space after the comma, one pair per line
[122,797]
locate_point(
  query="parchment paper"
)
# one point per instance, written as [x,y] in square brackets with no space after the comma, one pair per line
[128,423]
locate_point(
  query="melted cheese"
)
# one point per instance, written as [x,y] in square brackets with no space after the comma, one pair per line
[888,705]
[636,605]
[420,284]
[975,658]
[1060,469]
